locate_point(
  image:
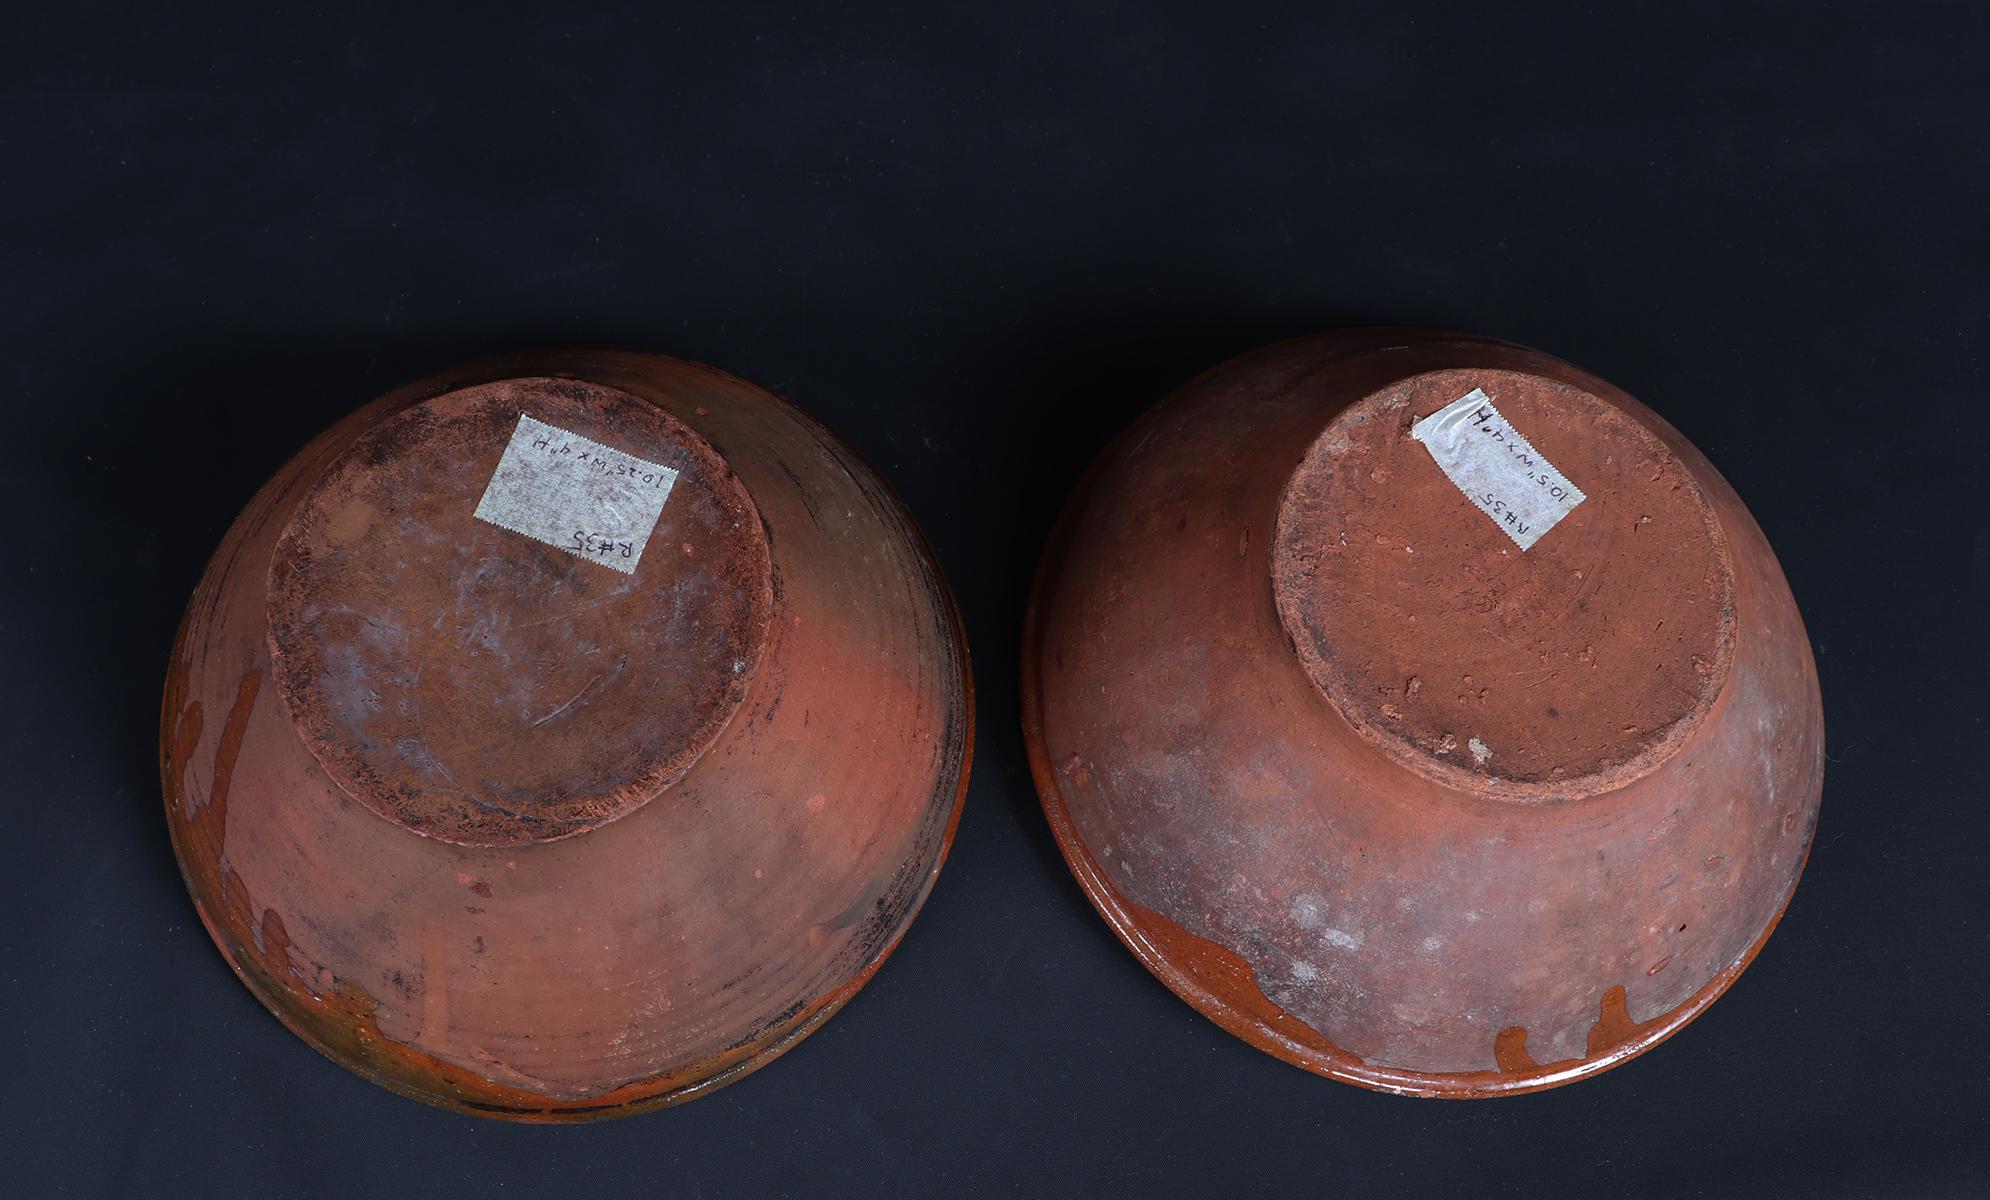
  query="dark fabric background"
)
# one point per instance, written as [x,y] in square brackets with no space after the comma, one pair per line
[976,241]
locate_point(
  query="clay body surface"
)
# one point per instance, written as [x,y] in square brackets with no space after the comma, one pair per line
[513,832]
[1380,791]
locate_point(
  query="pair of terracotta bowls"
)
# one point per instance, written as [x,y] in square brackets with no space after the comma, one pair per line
[568,734]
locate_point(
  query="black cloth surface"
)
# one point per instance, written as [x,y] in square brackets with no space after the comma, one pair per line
[976,241]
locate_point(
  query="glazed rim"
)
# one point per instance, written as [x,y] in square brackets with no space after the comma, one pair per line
[698,1078]
[1284,1036]
[1158,942]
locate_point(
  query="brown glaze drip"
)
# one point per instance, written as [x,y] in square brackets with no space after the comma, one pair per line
[1198,970]
[205,826]
[1614,1027]
[186,730]
[1613,1031]
[338,1016]
[1196,967]
[1510,1051]
[229,749]
[276,942]
[713,932]
[1207,711]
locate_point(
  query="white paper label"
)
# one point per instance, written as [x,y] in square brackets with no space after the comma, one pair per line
[1497,468]
[591,500]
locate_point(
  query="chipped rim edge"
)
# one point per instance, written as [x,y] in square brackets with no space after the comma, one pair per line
[1127,918]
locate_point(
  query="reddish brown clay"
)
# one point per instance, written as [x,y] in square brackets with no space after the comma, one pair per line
[1377,790]
[514,833]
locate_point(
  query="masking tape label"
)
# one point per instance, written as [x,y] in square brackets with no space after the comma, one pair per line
[1497,468]
[591,500]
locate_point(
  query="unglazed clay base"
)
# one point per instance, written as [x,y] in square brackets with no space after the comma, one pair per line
[565,735]
[1457,761]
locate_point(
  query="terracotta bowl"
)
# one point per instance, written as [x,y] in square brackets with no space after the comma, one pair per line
[584,819]
[1378,789]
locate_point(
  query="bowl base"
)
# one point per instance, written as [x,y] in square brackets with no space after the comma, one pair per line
[492,687]
[1568,666]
